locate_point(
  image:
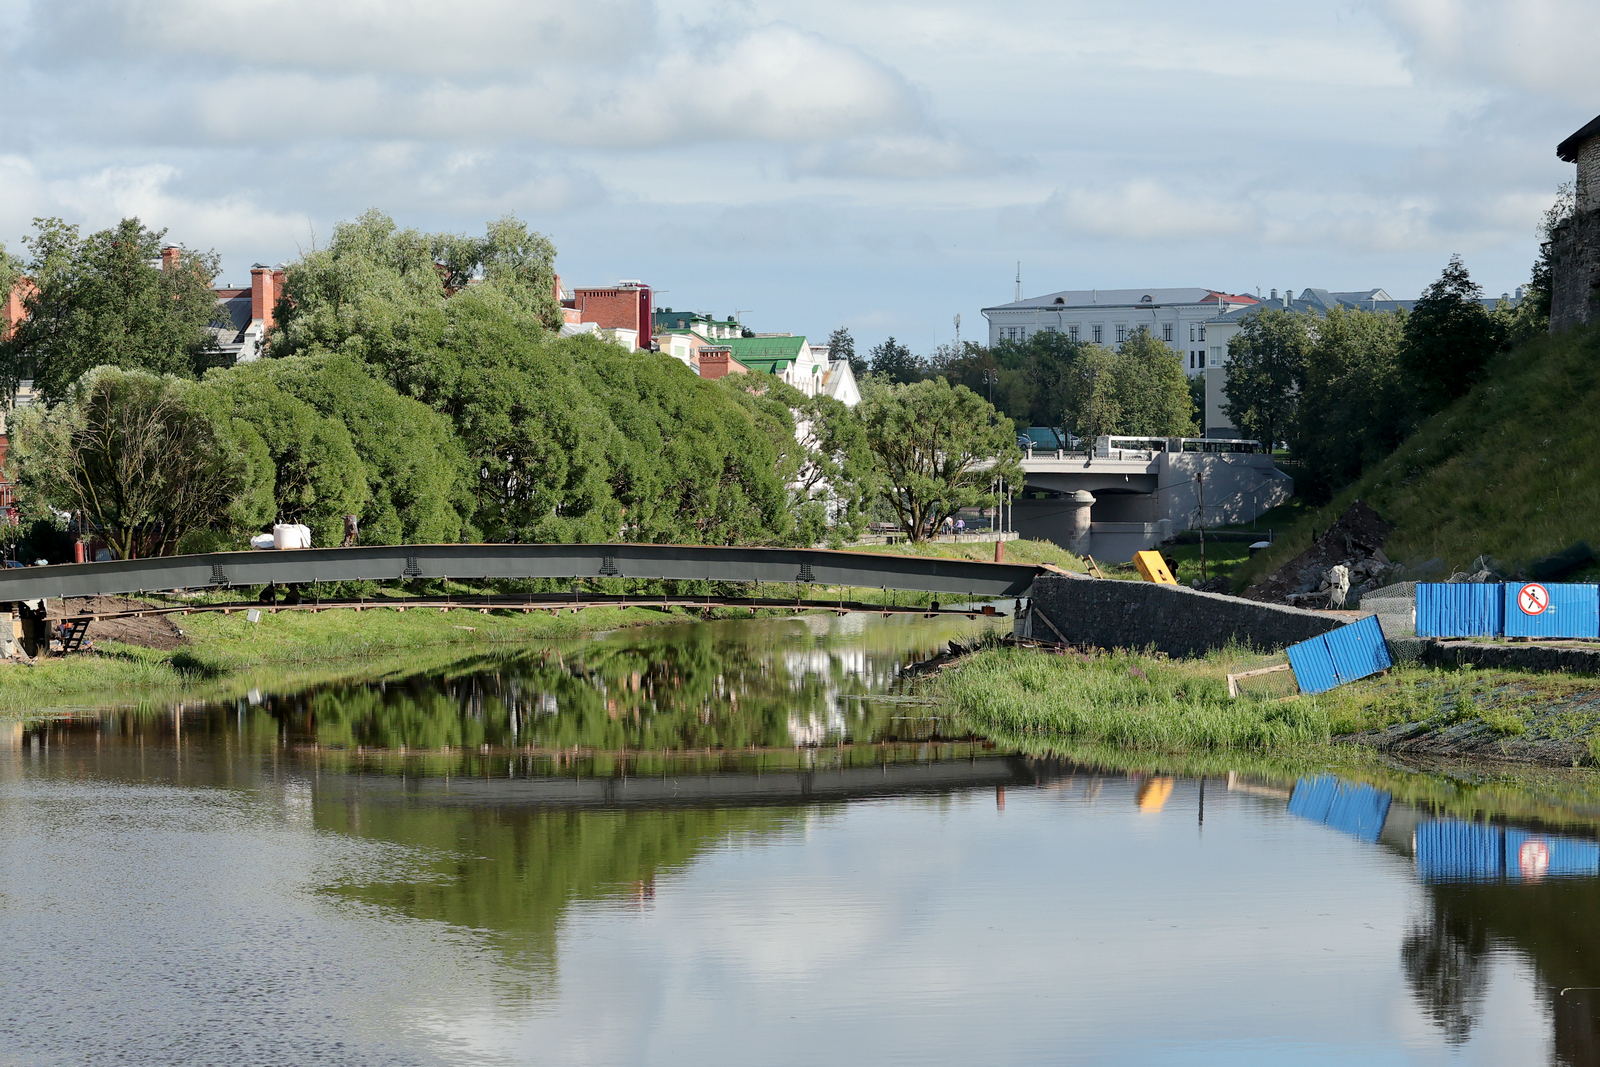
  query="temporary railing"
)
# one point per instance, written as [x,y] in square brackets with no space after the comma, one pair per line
[401,562]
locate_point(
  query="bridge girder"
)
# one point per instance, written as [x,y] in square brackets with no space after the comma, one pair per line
[402,562]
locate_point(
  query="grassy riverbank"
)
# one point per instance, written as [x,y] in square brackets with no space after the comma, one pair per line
[1147,704]
[226,654]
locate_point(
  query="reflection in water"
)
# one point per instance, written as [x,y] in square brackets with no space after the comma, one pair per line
[1492,888]
[732,844]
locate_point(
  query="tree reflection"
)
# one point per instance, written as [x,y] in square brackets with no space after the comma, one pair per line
[688,688]
[1550,924]
[1446,967]
[512,875]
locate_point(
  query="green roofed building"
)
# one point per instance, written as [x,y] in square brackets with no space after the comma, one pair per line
[665,320]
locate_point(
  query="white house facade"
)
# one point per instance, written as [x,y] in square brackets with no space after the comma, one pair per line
[1109,316]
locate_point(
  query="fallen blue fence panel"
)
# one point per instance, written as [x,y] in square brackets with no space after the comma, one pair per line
[1356,809]
[1545,609]
[1340,656]
[1460,609]
[1449,850]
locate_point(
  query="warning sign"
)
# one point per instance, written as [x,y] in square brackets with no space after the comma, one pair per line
[1533,599]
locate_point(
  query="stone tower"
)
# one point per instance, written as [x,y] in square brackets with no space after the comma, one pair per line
[1575,244]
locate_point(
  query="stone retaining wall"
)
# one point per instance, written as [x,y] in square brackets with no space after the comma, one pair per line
[1512,657]
[1169,618]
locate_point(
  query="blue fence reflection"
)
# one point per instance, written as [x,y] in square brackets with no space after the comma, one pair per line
[1447,850]
[1358,810]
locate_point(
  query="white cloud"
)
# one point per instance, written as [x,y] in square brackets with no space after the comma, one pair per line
[1540,46]
[384,36]
[1146,210]
[902,156]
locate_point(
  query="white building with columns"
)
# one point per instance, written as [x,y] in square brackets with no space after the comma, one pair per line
[1109,316]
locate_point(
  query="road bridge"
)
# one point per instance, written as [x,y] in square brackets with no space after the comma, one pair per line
[1113,501]
[388,563]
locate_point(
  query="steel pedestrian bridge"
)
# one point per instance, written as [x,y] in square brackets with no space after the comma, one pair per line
[778,566]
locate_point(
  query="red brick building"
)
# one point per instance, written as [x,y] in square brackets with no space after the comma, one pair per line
[627,306]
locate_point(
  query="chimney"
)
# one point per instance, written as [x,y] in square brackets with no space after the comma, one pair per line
[262,294]
[1288,296]
[1274,295]
[170,256]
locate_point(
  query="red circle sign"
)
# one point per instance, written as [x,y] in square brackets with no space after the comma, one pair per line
[1533,598]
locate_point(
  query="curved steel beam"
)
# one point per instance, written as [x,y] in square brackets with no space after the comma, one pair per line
[400,562]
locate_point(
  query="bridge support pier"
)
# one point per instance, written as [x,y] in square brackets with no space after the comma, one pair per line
[1078,504]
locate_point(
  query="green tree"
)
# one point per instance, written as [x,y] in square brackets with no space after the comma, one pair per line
[1152,388]
[1353,408]
[842,346]
[1450,337]
[416,471]
[317,476]
[893,362]
[938,449]
[1542,285]
[1266,361]
[830,469]
[1091,404]
[141,458]
[98,300]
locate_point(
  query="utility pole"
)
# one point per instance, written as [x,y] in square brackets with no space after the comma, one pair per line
[1200,480]
[1019,279]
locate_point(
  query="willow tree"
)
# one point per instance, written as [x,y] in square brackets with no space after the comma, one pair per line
[141,459]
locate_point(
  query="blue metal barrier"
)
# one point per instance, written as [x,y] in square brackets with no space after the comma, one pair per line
[1340,656]
[1544,609]
[1460,609]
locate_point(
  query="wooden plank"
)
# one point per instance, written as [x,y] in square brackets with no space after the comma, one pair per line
[1053,629]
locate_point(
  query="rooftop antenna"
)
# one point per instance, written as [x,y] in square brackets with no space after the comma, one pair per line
[1019,279]
[738,314]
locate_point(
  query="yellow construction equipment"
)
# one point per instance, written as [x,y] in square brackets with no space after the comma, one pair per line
[1152,568]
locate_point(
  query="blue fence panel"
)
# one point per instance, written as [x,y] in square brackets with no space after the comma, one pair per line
[1351,807]
[1449,850]
[1340,656]
[1545,609]
[1460,609]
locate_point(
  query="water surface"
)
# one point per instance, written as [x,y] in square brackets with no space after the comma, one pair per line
[742,844]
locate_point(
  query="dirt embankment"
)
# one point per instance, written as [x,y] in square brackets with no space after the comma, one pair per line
[1355,541]
[159,632]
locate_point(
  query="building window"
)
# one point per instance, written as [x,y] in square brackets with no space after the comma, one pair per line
[1122,333]
[1216,357]
[1191,360]
[1098,334]
[1202,331]
[1072,334]
[1191,333]
[1166,331]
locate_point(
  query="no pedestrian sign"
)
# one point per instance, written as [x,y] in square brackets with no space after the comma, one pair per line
[1533,599]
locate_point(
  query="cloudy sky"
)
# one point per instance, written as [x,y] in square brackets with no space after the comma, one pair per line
[880,165]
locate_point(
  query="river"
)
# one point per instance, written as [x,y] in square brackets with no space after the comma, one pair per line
[741,843]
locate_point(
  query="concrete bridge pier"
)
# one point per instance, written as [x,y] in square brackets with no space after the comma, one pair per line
[1078,505]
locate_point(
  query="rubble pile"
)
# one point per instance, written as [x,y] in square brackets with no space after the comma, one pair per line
[1339,567]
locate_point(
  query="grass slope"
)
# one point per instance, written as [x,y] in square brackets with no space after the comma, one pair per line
[227,655]
[1136,703]
[1511,469]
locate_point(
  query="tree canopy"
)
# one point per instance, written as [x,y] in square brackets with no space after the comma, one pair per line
[1449,339]
[939,448]
[1266,361]
[142,458]
[96,300]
